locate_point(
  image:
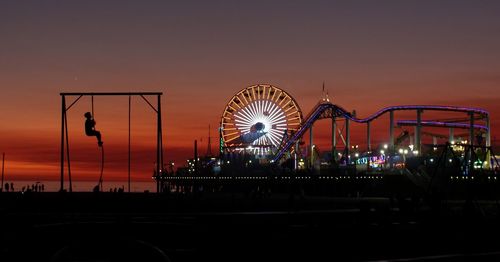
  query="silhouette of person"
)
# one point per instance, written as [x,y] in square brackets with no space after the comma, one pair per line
[6,187]
[12,187]
[90,128]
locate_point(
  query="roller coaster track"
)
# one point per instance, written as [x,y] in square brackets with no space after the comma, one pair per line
[325,109]
[439,124]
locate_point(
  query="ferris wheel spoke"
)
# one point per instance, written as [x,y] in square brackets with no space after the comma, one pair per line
[243,116]
[258,105]
[249,113]
[273,137]
[252,109]
[274,111]
[267,106]
[278,117]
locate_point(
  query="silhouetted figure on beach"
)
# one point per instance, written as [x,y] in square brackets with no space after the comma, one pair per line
[12,187]
[90,128]
[6,187]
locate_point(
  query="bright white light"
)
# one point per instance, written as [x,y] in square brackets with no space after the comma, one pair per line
[401,151]
[271,116]
[382,152]
[385,146]
[415,152]
[356,155]
[411,147]
[405,151]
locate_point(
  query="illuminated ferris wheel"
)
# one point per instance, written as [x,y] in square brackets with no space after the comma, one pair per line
[257,118]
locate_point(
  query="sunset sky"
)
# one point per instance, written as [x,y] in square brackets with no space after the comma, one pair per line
[370,54]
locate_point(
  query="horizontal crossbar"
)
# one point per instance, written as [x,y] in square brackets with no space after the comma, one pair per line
[112,94]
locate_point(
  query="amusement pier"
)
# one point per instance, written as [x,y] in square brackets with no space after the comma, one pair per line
[429,192]
[266,141]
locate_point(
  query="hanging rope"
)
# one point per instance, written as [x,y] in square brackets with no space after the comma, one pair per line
[99,184]
[102,168]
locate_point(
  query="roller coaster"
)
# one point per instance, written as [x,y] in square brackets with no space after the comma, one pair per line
[326,109]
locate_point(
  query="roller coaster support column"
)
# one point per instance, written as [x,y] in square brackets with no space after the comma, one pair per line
[471,141]
[418,142]
[451,136]
[391,137]
[347,140]
[296,154]
[488,143]
[488,132]
[311,146]
[334,140]
[368,137]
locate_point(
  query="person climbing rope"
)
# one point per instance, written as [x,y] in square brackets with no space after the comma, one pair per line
[90,128]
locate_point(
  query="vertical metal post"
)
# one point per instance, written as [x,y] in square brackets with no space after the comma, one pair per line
[129,153]
[471,129]
[3,169]
[451,135]
[195,157]
[347,140]
[418,129]
[334,139]
[295,153]
[161,133]
[221,144]
[311,146]
[368,137]
[488,131]
[63,113]
[471,141]
[488,143]
[159,147]
[391,130]
[391,137]
[67,152]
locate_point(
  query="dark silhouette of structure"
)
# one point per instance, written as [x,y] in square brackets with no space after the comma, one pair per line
[65,152]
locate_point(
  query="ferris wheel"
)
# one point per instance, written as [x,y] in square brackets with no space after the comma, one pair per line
[258,118]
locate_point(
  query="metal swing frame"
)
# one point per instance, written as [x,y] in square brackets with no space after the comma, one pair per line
[65,137]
